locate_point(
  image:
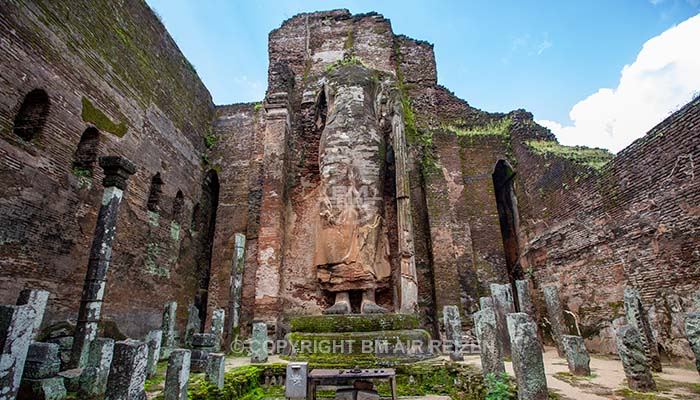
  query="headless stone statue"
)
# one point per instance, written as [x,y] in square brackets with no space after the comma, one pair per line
[351,240]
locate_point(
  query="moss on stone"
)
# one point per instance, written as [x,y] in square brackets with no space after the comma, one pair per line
[102,122]
[592,157]
[499,127]
[353,323]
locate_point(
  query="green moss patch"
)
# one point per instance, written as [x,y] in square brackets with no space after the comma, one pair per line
[592,157]
[500,127]
[93,115]
[354,323]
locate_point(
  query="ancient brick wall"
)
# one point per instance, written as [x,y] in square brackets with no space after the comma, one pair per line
[112,66]
[633,223]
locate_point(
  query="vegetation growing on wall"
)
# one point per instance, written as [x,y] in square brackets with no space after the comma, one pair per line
[592,157]
[102,122]
[500,127]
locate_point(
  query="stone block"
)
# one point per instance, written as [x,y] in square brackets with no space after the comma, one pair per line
[177,375]
[297,374]
[199,360]
[634,360]
[576,355]
[194,324]
[489,346]
[153,340]
[42,389]
[217,326]
[16,327]
[556,316]
[204,340]
[453,332]
[346,394]
[216,365]
[71,378]
[258,348]
[692,332]
[527,358]
[37,299]
[367,395]
[93,380]
[42,361]
[128,373]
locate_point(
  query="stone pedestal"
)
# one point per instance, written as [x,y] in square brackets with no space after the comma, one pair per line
[556,316]
[128,373]
[634,360]
[489,345]
[637,318]
[177,376]
[527,358]
[576,355]
[215,369]
[202,345]
[16,327]
[503,305]
[692,332]
[38,300]
[153,340]
[453,332]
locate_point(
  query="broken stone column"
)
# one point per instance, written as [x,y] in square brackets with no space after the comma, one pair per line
[634,360]
[258,347]
[38,300]
[215,369]
[177,376]
[168,325]
[202,345]
[692,332]
[527,358]
[194,324]
[16,327]
[93,380]
[637,317]
[576,355]
[234,307]
[40,380]
[153,340]
[117,171]
[127,376]
[556,316]
[489,346]
[522,287]
[217,326]
[696,301]
[503,305]
[453,331]
[485,302]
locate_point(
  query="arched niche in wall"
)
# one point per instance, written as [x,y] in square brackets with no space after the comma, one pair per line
[85,156]
[154,193]
[507,204]
[32,115]
[205,221]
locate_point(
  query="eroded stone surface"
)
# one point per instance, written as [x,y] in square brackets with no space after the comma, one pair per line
[576,355]
[503,305]
[258,347]
[194,324]
[453,331]
[93,380]
[527,358]
[489,344]
[215,369]
[37,299]
[692,332]
[16,327]
[168,324]
[127,375]
[634,360]
[556,316]
[177,375]
[153,340]
[638,318]
[217,326]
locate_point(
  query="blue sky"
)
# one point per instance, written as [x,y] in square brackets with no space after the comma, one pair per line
[544,56]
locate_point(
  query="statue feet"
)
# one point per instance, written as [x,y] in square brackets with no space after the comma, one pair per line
[341,306]
[373,308]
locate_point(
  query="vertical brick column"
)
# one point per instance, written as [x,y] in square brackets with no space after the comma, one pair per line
[117,171]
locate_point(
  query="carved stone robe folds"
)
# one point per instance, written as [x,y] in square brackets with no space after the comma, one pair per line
[352,250]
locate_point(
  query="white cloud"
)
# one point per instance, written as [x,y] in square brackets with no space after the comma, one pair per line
[544,46]
[665,76]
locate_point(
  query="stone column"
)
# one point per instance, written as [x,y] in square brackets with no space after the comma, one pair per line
[527,358]
[234,307]
[637,317]
[634,361]
[153,341]
[503,305]
[93,380]
[127,376]
[215,369]
[177,376]
[556,316]
[168,324]
[16,327]
[576,355]
[692,332]
[489,346]
[408,288]
[117,171]
[37,299]
[272,209]
[453,331]
[217,326]
[258,347]
[696,300]
[194,324]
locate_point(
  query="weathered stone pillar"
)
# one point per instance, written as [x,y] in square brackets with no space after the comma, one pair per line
[234,307]
[489,346]
[637,317]
[153,341]
[38,300]
[177,376]
[634,361]
[93,380]
[696,300]
[194,324]
[295,385]
[258,347]
[409,278]
[692,332]
[40,380]
[168,324]
[503,305]
[576,355]
[16,326]
[272,210]
[453,331]
[127,376]
[556,316]
[217,326]
[117,171]
[215,369]
[527,358]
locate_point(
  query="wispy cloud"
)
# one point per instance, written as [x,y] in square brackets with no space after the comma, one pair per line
[544,46]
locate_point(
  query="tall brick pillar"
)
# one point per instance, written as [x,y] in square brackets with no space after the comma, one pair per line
[117,171]
[271,232]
